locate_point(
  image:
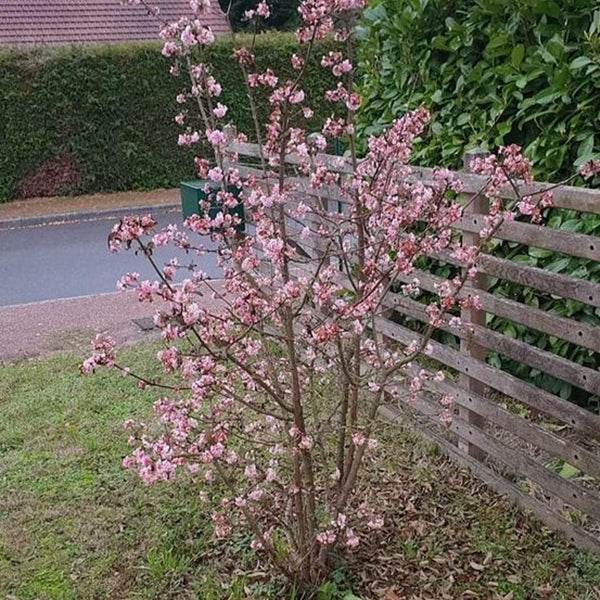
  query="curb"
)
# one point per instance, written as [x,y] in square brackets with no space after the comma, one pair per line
[81,216]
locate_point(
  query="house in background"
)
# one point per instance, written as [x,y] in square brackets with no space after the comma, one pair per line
[27,23]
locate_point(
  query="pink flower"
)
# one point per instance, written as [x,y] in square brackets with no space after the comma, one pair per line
[372,444]
[170,49]
[205,36]
[446,400]
[446,417]
[305,443]
[220,111]
[471,302]
[216,137]
[214,89]
[297,62]
[127,281]
[296,97]
[188,139]
[327,538]
[343,67]
[215,174]
[191,313]
[590,169]
[526,207]
[255,495]
[307,113]
[251,471]
[199,6]
[103,355]
[187,37]
[262,10]
[352,540]
[357,327]
[358,438]
[145,291]
[170,359]
[353,102]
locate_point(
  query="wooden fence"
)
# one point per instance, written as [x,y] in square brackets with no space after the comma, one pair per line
[513,435]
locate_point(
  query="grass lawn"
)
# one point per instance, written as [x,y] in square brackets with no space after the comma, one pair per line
[74,525]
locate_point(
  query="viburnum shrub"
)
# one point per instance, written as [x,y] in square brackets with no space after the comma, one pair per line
[277,371]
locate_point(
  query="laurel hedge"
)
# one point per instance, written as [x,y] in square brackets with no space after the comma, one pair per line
[492,72]
[100,118]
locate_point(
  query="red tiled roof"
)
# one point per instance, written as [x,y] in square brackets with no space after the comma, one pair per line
[56,22]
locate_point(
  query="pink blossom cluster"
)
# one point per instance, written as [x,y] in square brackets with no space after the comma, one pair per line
[262,11]
[590,169]
[273,374]
[104,354]
[128,230]
[508,166]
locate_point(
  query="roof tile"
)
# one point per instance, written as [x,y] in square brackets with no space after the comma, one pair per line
[59,22]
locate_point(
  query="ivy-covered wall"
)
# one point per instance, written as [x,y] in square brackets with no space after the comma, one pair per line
[100,118]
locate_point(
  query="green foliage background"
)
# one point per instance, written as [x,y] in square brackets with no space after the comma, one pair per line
[492,72]
[495,72]
[110,110]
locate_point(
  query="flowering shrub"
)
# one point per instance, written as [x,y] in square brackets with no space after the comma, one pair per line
[276,372]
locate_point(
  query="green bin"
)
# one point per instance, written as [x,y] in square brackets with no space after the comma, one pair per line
[192,193]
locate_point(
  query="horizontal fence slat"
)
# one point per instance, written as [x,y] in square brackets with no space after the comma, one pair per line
[571,244]
[528,431]
[557,284]
[574,534]
[569,197]
[562,368]
[580,199]
[584,291]
[335,163]
[568,491]
[326,192]
[579,418]
[582,334]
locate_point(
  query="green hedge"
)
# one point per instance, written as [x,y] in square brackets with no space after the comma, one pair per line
[492,72]
[495,72]
[100,118]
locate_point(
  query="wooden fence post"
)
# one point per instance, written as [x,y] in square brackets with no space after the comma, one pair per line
[468,347]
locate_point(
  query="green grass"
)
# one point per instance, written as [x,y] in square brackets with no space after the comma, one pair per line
[75,525]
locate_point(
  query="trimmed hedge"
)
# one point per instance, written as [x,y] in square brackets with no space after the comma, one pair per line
[100,118]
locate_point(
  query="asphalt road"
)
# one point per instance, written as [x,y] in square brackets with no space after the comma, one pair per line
[71,259]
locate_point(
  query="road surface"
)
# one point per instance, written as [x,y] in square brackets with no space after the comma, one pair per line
[71,259]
